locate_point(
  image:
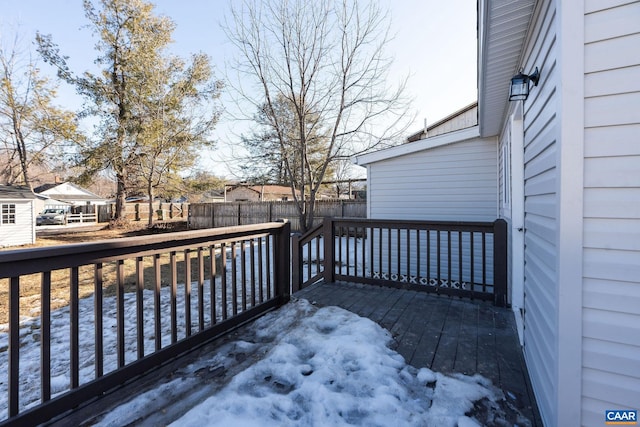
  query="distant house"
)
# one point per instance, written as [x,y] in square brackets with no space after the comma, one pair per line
[17,216]
[258,193]
[69,194]
[565,163]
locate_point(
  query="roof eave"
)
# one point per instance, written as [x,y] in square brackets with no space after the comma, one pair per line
[502,31]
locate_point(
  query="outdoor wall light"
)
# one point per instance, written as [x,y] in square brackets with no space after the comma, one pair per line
[520,85]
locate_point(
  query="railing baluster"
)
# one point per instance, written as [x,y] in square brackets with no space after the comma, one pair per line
[157,289]
[418,261]
[428,256]
[223,279]
[398,253]
[45,337]
[74,324]
[484,261]
[355,249]
[14,345]
[318,257]
[243,272]
[120,312]
[212,284]
[98,282]
[408,255]
[187,292]
[438,259]
[449,278]
[389,252]
[260,269]
[309,260]
[371,238]
[173,296]
[473,250]
[140,306]
[252,260]
[200,289]
[363,242]
[460,259]
[234,279]
[269,248]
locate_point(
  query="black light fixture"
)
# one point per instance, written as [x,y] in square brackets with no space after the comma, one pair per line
[520,85]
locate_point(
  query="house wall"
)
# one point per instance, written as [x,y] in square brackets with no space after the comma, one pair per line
[462,121]
[243,194]
[611,247]
[23,231]
[541,217]
[451,182]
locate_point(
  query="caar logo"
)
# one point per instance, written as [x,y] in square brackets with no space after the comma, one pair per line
[621,417]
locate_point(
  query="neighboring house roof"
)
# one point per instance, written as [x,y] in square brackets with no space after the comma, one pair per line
[416,146]
[67,191]
[265,189]
[9,192]
[501,37]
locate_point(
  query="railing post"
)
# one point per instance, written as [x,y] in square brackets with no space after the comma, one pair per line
[500,262]
[282,252]
[296,263]
[329,242]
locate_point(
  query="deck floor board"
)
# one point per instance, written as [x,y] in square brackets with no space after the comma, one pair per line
[448,335]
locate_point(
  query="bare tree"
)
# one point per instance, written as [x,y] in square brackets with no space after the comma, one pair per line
[33,131]
[326,59]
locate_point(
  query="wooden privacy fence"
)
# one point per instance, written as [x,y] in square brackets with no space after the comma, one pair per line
[454,258]
[210,215]
[140,211]
[148,300]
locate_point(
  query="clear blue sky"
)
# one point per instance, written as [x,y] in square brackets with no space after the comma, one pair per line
[435,43]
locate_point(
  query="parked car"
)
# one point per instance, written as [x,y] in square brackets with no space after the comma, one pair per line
[52,216]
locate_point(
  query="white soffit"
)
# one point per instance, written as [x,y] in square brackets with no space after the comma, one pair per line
[502,31]
[416,146]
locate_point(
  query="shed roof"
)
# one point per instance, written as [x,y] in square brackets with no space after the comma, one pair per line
[10,192]
[416,146]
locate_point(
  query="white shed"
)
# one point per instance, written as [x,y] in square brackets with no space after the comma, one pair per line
[17,216]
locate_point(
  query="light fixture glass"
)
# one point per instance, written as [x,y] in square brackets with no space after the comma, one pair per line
[520,85]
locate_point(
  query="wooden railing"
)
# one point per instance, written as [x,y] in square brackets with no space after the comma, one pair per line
[190,289]
[466,259]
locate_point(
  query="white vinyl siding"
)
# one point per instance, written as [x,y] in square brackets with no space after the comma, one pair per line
[611,282]
[21,231]
[454,182]
[540,220]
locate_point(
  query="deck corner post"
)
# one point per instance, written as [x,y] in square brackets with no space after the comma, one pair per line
[500,262]
[283,261]
[329,258]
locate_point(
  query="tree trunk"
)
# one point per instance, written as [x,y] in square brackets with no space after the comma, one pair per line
[150,194]
[22,151]
[120,196]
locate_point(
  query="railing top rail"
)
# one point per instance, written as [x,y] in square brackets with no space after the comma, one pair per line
[311,234]
[415,224]
[34,260]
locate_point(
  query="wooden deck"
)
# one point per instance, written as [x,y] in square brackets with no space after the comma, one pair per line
[442,333]
[445,334]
